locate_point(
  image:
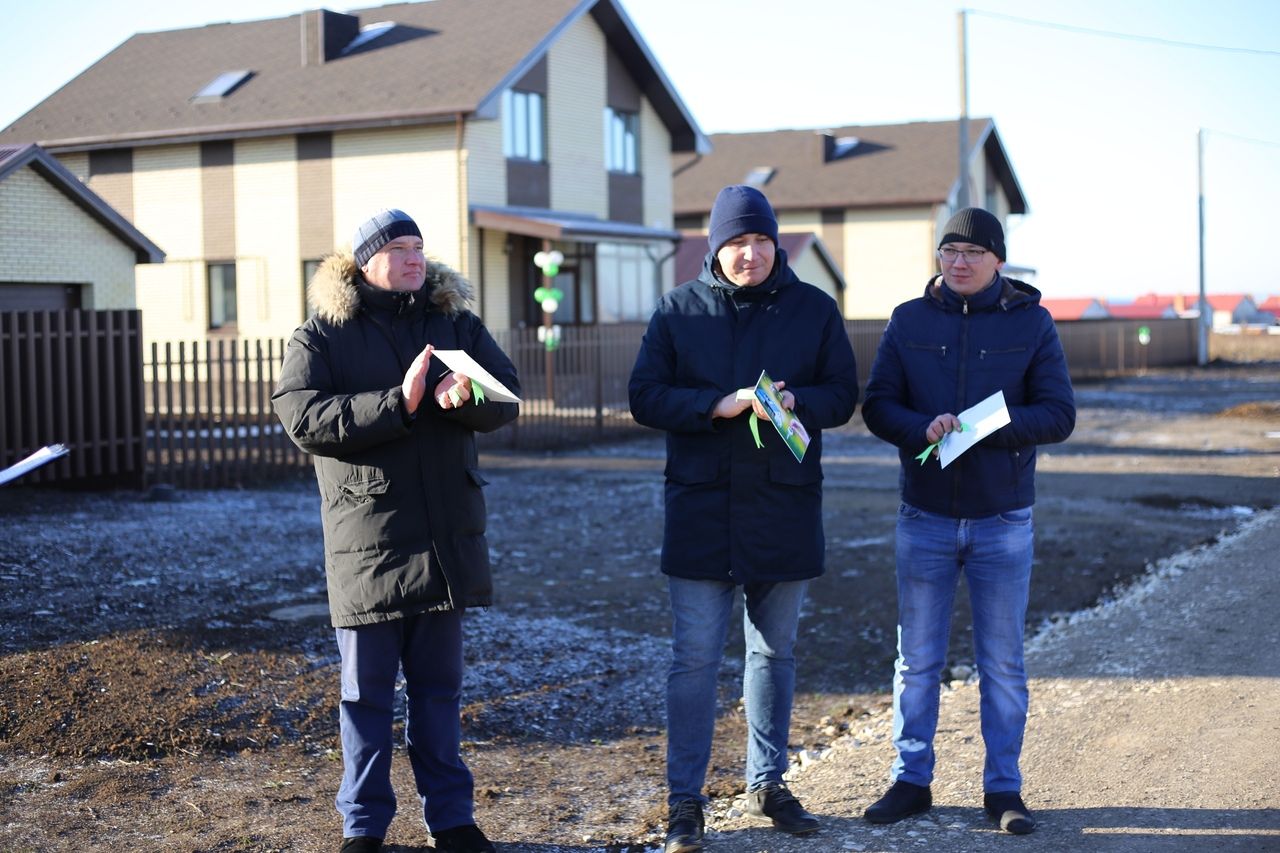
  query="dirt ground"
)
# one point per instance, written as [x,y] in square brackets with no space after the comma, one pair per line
[168,676]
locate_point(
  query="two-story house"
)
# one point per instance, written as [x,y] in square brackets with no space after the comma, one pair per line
[876,195]
[248,151]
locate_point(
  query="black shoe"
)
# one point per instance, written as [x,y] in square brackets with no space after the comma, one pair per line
[462,839]
[684,827]
[778,804]
[1007,809]
[360,844]
[901,801]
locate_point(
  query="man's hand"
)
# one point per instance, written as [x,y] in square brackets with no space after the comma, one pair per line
[414,387]
[453,391]
[940,426]
[788,400]
[730,406]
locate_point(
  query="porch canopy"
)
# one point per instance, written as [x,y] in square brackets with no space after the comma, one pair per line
[560,225]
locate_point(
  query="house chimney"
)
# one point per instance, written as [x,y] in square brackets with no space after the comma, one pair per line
[325,34]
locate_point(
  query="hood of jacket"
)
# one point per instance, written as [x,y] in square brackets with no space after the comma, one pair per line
[1004,293]
[334,291]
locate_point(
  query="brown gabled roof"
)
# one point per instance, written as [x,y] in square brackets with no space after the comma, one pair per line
[443,58]
[15,157]
[892,164]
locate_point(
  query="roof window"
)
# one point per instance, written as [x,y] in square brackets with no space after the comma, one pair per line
[221,86]
[367,34]
[759,176]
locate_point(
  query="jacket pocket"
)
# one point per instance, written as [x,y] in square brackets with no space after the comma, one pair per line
[363,491]
[692,470]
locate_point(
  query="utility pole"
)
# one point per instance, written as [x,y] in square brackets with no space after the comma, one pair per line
[1205,317]
[962,194]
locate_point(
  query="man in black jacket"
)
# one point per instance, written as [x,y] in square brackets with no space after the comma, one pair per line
[973,333]
[392,433]
[743,516]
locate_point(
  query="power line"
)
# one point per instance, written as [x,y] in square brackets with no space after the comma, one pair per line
[1268,142]
[1124,36]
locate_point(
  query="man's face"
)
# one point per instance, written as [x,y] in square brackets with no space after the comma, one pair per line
[399,265]
[747,259]
[966,277]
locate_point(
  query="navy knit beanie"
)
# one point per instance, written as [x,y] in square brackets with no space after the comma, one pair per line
[974,225]
[740,209]
[379,230]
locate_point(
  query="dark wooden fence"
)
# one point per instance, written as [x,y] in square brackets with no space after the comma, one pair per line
[199,414]
[74,378]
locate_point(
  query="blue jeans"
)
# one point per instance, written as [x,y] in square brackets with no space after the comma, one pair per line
[995,555]
[429,648]
[700,623]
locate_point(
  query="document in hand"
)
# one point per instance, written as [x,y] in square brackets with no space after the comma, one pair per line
[35,460]
[460,362]
[784,420]
[979,422]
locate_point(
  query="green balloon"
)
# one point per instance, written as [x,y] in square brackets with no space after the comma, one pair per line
[551,270]
[557,294]
[541,293]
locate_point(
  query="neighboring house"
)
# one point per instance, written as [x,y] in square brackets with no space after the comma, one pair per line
[1138,311]
[1270,305]
[1075,309]
[61,245]
[1226,309]
[250,150]
[805,254]
[877,195]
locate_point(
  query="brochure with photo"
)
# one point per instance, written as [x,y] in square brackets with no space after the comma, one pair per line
[784,421]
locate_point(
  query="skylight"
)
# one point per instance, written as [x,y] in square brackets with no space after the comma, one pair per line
[759,176]
[368,33]
[843,146]
[222,85]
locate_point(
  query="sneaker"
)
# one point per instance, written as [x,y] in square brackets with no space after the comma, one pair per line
[462,839]
[684,827]
[901,801]
[1007,809]
[360,844]
[775,802]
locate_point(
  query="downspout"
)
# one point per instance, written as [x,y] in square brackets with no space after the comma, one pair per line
[464,255]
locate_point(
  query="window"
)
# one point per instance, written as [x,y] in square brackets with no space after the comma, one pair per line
[222,295]
[620,141]
[523,125]
[627,283]
[221,86]
[309,268]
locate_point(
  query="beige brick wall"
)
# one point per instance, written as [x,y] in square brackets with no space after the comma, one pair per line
[486,167]
[810,268]
[167,208]
[77,164]
[575,120]
[414,169]
[45,237]
[268,267]
[888,258]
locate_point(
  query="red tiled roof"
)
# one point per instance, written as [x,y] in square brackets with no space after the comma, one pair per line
[1068,309]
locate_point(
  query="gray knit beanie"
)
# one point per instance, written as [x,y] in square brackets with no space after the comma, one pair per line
[379,230]
[977,226]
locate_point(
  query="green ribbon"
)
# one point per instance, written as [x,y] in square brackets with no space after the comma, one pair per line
[924,454]
[755,430]
[477,392]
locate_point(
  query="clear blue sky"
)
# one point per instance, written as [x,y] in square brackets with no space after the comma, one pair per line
[1101,131]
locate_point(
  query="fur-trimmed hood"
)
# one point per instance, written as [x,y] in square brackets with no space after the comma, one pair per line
[334,293]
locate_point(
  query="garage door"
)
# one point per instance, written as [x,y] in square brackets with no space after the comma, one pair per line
[38,297]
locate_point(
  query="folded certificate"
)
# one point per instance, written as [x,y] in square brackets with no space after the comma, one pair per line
[460,362]
[979,422]
[784,420]
[35,460]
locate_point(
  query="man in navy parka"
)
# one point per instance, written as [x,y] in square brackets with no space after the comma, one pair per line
[738,515]
[974,332]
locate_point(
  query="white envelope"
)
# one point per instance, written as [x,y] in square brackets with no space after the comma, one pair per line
[460,362]
[980,421]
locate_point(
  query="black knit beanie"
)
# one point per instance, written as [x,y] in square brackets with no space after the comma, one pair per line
[740,209]
[379,230]
[974,225]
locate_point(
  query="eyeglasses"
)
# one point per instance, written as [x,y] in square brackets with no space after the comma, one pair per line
[971,256]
